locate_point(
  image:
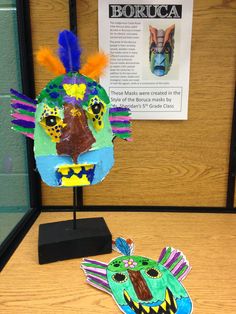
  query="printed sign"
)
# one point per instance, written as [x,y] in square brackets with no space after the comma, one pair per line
[149,46]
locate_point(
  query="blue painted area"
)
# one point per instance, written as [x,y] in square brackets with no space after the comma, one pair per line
[159,62]
[184,306]
[126,309]
[103,159]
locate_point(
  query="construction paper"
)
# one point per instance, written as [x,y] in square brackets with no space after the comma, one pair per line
[140,285]
[72,120]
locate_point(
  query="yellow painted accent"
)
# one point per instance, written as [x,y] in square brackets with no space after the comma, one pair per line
[163,305]
[126,295]
[75,167]
[146,308]
[63,171]
[167,297]
[75,90]
[175,303]
[74,180]
[75,112]
[91,115]
[52,130]
[136,304]
[78,168]
[155,308]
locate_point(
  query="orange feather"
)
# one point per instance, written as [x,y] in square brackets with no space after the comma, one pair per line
[46,57]
[95,65]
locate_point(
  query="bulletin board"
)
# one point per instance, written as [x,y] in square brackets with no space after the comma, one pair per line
[169,163]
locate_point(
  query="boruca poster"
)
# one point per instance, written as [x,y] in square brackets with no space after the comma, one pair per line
[149,44]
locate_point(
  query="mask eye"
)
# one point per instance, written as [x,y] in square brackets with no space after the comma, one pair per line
[96,108]
[153,273]
[167,48]
[119,277]
[51,121]
[95,112]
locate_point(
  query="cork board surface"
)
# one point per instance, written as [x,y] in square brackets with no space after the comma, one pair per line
[170,163]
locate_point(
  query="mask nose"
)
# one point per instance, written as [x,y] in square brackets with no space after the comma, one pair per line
[140,286]
[76,137]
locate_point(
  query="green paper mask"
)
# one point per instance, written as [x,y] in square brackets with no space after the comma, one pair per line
[141,285]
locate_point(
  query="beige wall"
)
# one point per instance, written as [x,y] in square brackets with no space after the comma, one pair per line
[182,163]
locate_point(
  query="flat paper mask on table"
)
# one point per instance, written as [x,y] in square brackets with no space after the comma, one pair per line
[140,285]
[72,121]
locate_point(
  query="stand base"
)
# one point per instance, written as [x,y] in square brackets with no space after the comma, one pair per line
[59,241]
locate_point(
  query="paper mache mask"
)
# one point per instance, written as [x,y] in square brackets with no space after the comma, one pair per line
[72,121]
[161,49]
[140,285]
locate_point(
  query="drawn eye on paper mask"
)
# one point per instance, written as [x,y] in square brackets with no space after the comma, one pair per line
[161,49]
[141,285]
[72,121]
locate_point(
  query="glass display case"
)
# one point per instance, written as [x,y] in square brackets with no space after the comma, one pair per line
[16,203]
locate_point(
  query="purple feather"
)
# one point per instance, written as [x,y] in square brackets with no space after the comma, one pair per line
[87,260]
[163,252]
[24,107]
[21,96]
[182,265]
[96,271]
[99,280]
[121,131]
[25,124]
[172,260]
[120,121]
[119,109]
[69,51]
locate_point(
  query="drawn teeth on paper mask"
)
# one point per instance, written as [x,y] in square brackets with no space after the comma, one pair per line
[141,285]
[161,49]
[168,306]
[72,121]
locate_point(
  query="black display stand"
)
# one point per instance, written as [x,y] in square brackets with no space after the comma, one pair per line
[73,238]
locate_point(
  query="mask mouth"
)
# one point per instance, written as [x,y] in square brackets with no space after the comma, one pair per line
[159,67]
[75,174]
[168,306]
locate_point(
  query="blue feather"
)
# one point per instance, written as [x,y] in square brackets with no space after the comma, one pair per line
[122,246]
[69,51]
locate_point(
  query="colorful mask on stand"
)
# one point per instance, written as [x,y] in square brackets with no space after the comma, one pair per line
[140,285]
[72,121]
[161,49]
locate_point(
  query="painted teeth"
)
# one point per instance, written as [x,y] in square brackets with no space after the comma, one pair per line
[75,175]
[168,306]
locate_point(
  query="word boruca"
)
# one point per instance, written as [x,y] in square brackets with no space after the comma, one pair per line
[161,11]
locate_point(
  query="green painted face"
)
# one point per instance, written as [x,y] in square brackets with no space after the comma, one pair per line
[73,134]
[77,94]
[127,274]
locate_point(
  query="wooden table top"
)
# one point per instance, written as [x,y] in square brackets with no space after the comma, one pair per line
[207,240]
